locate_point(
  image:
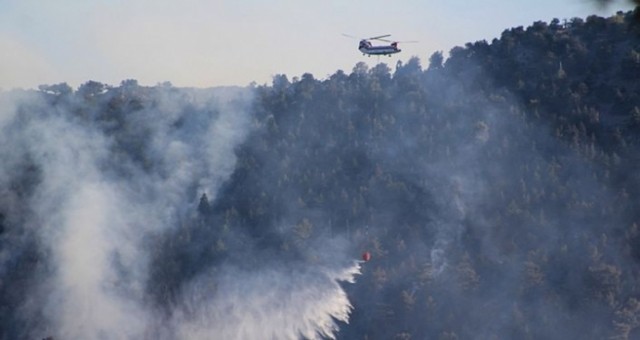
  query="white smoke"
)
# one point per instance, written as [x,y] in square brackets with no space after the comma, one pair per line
[82,223]
[94,301]
[93,222]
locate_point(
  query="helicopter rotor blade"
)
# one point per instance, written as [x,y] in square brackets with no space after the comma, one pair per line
[378,37]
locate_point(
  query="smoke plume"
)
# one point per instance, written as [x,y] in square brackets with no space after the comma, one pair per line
[92,183]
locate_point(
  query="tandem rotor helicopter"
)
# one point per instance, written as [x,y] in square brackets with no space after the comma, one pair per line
[367,48]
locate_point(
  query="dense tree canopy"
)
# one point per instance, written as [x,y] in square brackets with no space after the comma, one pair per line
[496,190]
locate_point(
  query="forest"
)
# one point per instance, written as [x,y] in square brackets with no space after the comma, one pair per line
[495,188]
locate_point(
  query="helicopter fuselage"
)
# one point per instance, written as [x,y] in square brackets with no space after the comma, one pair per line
[367,48]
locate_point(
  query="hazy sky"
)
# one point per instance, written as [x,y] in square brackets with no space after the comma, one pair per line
[211,43]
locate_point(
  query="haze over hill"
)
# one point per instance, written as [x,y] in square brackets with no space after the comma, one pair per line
[495,190]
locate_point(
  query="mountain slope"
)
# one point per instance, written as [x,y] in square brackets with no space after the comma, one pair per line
[495,190]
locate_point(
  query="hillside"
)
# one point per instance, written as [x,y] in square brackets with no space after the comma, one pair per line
[496,191]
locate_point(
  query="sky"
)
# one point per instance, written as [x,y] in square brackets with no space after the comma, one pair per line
[206,43]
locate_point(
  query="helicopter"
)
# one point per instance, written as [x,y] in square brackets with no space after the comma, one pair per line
[367,48]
